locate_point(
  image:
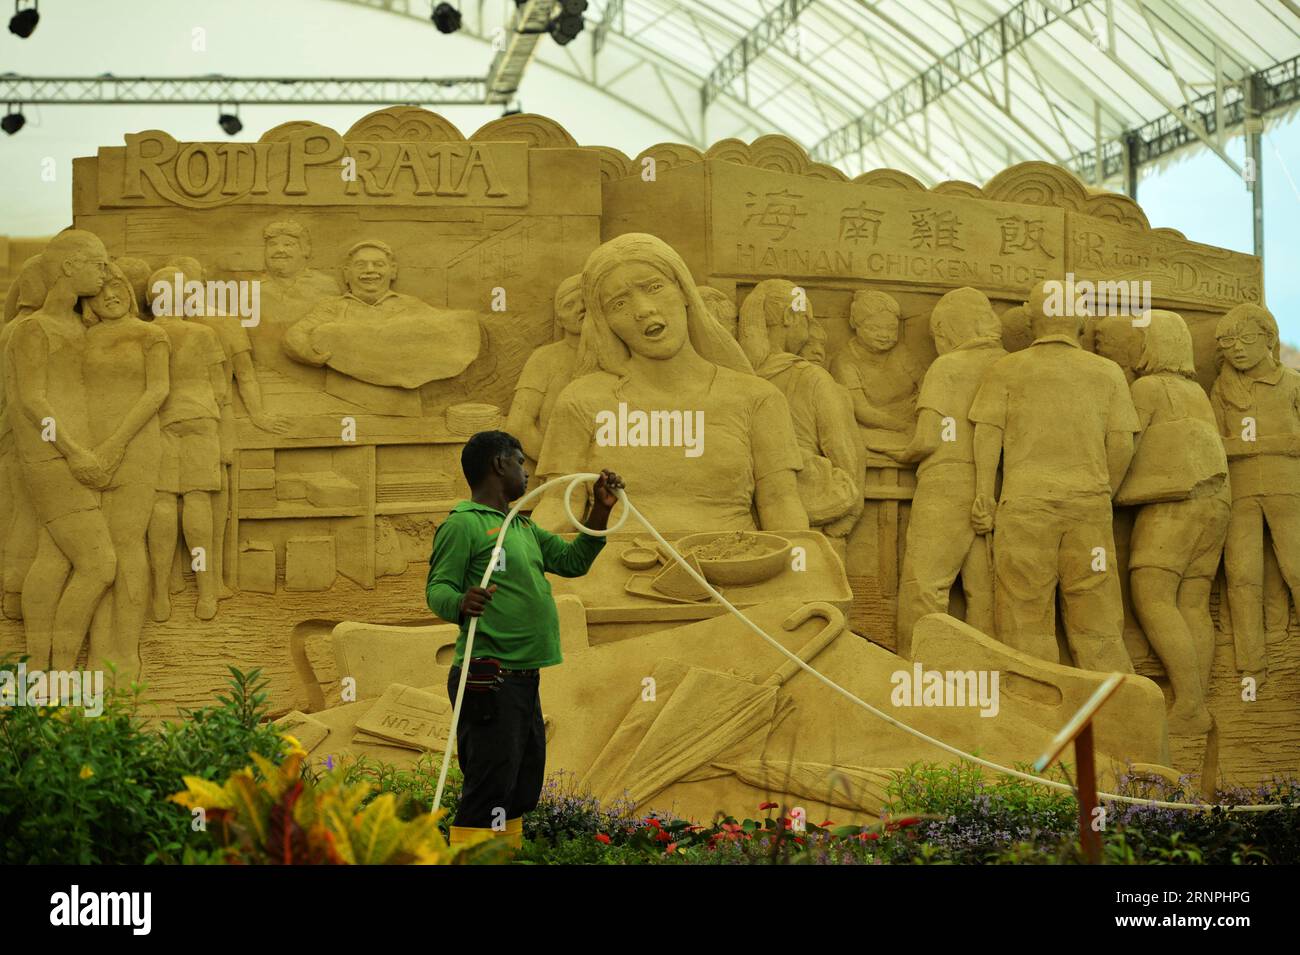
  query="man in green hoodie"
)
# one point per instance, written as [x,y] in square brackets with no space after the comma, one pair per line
[500,739]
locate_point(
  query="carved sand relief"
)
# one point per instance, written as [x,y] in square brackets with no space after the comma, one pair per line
[857,395]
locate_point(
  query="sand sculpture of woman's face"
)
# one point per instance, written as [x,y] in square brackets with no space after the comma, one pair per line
[113,300]
[571,309]
[1243,343]
[644,308]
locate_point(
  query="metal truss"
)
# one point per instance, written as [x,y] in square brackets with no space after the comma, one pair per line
[218,90]
[768,32]
[1276,88]
[527,26]
[977,53]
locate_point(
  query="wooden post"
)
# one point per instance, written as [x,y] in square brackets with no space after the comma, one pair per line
[1079,730]
[1086,783]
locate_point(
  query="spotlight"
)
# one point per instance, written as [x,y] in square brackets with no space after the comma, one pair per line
[13,121]
[569,23]
[23,22]
[229,123]
[446,18]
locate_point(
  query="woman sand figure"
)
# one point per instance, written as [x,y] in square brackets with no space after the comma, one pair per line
[1176,544]
[710,445]
[125,368]
[548,370]
[1256,400]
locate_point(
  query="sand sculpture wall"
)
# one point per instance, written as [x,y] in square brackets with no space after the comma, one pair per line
[416,286]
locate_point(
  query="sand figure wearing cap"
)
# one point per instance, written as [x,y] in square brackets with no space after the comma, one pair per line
[548,370]
[1179,533]
[382,344]
[1256,401]
[775,323]
[668,399]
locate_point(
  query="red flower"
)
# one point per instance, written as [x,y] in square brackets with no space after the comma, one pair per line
[663,836]
[909,821]
[868,836]
[653,821]
[828,822]
[767,805]
[670,847]
[731,827]
[601,837]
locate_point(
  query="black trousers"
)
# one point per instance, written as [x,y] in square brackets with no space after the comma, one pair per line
[501,749]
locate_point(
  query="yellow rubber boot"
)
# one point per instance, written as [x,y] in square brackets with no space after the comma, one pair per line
[514,834]
[465,836]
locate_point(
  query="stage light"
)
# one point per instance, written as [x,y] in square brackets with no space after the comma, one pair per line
[446,18]
[569,23]
[23,22]
[229,123]
[13,121]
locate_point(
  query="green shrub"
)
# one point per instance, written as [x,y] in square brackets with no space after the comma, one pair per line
[93,790]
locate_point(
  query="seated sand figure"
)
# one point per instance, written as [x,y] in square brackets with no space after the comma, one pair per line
[1061,421]
[880,376]
[722,307]
[190,471]
[719,448]
[126,372]
[47,405]
[1256,401]
[830,483]
[548,370]
[1176,540]
[940,540]
[374,341]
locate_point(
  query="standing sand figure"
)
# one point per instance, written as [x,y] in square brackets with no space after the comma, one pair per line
[191,456]
[1176,544]
[46,400]
[940,540]
[239,373]
[1061,420]
[126,372]
[18,524]
[1256,401]
[548,370]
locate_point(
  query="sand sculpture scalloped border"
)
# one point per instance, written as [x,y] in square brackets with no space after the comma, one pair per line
[1030,183]
[413,124]
[539,132]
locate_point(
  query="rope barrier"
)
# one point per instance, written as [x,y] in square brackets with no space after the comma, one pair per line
[629,510]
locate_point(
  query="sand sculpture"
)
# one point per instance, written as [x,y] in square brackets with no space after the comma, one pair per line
[901,476]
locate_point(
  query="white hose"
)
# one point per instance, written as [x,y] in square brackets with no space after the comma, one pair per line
[628,509]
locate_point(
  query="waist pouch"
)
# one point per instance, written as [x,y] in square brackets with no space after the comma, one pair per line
[481,690]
